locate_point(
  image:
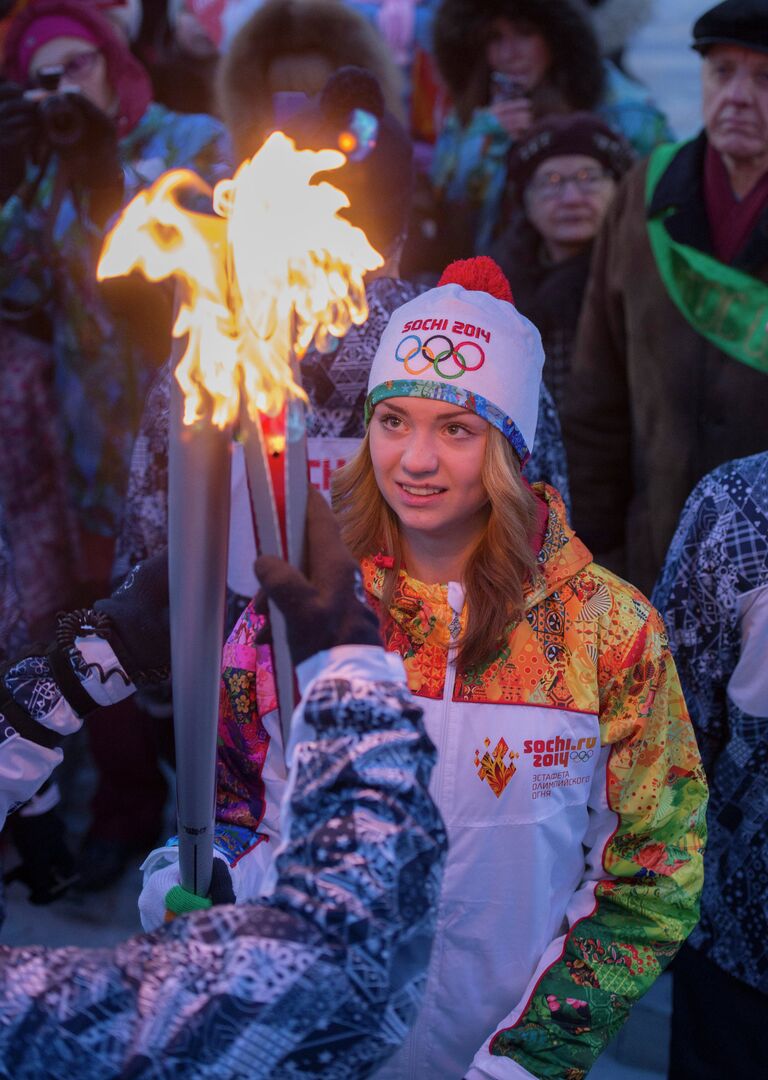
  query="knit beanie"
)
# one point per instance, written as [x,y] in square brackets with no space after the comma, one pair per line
[466,343]
[574,133]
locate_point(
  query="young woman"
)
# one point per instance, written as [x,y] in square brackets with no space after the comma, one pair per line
[567,775]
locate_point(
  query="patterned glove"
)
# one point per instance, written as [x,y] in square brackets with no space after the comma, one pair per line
[137,623]
[327,607]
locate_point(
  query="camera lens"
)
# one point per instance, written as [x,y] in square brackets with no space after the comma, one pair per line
[62,120]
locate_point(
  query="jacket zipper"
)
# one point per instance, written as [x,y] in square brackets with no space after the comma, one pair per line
[448,688]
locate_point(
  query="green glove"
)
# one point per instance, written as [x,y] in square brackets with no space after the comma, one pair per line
[178,901]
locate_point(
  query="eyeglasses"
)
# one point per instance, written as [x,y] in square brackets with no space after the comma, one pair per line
[552,185]
[76,68]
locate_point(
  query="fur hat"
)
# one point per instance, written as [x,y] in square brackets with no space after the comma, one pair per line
[576,133]
[734,22]
[295,28]
[465,342]
[461,33]
[378,176]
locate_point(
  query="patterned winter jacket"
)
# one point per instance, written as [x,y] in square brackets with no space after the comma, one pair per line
[268,989]
[102,372]
[571,786]
[713,594]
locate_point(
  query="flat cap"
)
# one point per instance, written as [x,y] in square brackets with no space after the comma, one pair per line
[734,22]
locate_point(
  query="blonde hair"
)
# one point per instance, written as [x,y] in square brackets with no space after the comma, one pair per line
[497,569]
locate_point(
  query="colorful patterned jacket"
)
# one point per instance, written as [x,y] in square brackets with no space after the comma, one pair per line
[571,786]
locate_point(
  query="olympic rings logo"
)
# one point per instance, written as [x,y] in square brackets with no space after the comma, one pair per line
[418,350]
[581,755]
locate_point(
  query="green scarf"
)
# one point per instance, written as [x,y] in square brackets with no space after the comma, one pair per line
[724,305]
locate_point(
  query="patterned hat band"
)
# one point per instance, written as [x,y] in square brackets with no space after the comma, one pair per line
[456,395]
[465,342]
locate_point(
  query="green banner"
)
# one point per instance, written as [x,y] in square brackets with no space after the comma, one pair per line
[723,304]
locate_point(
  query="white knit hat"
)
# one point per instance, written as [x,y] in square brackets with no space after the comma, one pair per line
[465,342]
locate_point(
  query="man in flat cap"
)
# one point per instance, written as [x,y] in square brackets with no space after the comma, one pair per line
[670,372]
[669,380]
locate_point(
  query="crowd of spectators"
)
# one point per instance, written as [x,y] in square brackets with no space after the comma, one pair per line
[509,128]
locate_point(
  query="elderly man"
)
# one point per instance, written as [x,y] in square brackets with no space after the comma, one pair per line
[670,373]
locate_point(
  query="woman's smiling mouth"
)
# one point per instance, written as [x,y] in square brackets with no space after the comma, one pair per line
[419,491]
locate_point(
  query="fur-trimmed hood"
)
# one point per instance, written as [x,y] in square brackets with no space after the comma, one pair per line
[325,28]
[460,30]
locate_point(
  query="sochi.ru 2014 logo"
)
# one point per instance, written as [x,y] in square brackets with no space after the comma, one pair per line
[498,767]
[559,751]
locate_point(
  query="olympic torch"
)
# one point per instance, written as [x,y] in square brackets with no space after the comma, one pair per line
[272,270]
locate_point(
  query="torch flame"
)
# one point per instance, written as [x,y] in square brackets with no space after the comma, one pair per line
[274,269]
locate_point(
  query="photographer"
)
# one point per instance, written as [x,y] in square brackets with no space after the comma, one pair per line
[79,136]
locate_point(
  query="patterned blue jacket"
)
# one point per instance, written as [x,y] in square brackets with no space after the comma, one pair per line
[321,979]
[713,593]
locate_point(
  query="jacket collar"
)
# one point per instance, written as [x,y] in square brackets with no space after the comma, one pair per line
[423,611]
[680,193]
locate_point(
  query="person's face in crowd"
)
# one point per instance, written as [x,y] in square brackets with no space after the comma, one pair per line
[518,50]
[125,16]
[428,461]
[192,37]
[85,69]
[735,103]
[299,73]
[566,200]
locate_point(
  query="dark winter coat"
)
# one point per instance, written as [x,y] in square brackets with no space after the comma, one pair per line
[549,294]
[652,406]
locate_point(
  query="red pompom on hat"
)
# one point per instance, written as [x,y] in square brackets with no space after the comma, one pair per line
[480,274]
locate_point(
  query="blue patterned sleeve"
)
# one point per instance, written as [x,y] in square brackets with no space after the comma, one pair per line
[628,107]
[321,979]
[547,461]
[714,557]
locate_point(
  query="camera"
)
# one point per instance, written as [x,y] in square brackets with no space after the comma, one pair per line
[62,119]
